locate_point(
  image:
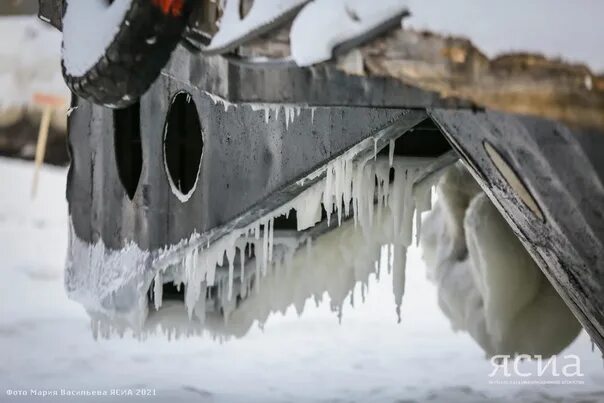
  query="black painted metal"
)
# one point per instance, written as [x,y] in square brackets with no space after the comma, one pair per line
[321,85]
[245,160]
[52,12]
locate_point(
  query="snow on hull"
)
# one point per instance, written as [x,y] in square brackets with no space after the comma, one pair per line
[262,13]
[488,284]
[324,24]
[113,285]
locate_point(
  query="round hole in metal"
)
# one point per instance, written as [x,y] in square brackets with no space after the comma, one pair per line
[128,149]
[183,146]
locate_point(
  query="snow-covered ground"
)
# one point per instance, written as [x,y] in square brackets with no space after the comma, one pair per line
[46,341]
[30,65]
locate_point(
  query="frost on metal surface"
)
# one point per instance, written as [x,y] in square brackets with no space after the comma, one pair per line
[254,270]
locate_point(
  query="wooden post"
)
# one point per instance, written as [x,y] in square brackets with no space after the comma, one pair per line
[49,103]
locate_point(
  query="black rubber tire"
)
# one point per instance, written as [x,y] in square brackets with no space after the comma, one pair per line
[132,61]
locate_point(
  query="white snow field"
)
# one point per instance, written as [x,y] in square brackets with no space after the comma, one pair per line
[30,64]
[46,342]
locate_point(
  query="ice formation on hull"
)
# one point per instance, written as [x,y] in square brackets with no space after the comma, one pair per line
[370,199]
[487,282]
[291,112]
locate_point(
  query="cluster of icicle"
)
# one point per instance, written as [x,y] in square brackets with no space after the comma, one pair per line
[289,271]
[291,111]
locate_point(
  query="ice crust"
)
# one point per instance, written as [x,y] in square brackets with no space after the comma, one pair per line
[368,210]
[488,284]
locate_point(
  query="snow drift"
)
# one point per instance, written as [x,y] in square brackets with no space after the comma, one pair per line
[223,279]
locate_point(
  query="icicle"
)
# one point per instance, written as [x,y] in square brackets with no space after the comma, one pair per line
[231,257]
[391,153]
[375,141]
[327,193]
[242,261]
[390,254]
[312,115]
[219,100]
[158,290]
[299,306]
[265,247]
[200,305]
[308,247]
[259,259]
[418,226]
[271,230]
[347,180]
[399,260]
